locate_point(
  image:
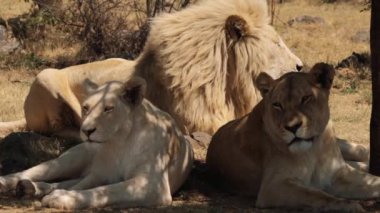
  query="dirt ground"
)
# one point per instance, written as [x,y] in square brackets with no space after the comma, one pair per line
[197,195]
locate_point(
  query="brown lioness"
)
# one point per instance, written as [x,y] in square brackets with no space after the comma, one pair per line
[135,155]
[284,152]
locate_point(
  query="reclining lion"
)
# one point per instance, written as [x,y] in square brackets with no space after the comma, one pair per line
[135,155]
[199,64]
[284,152]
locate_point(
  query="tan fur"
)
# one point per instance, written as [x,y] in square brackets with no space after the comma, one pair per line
[284,152]
[135,155]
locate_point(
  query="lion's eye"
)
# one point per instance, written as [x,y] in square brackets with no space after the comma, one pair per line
[277,106]
[306,99]
[108,109]
[85,109]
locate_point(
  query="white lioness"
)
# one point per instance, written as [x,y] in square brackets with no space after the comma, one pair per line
[285,153]
[134,155]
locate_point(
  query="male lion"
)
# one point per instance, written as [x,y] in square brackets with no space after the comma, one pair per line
[134,155]
[285,153]
[199,64]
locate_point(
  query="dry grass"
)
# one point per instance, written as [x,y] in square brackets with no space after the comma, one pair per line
[13,8]
[328,43]
[14,87]
[351,113]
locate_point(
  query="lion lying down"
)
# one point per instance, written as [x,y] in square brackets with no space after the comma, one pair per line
[199,63]
[285,153]
[134,155]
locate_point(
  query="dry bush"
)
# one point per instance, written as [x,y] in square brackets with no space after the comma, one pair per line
[63,33]
[154,7]
[46,4]
[117,28]
[101,24]
[35,31]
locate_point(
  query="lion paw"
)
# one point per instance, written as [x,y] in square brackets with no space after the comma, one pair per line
[25,188]
[62,199]
[3,187]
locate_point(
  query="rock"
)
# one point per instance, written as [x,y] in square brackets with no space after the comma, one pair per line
[356,61]
[202,137]
[8,43]
[361,36]
[306,20]
[199,142]
[19,151]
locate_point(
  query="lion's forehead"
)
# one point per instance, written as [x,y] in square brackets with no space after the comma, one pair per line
[104,95]
[99,101]
[292,89]
[110,87]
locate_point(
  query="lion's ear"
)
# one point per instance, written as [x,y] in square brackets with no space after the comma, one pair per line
[323,75]
[264,83]
[236,27]
[90,86]
[134,91]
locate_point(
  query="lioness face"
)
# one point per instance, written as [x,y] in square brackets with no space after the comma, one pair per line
[296,106]
[108,110]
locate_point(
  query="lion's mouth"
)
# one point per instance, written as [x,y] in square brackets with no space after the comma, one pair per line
[92,141]
[298,140]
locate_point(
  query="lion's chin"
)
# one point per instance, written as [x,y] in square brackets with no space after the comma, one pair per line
[300,145]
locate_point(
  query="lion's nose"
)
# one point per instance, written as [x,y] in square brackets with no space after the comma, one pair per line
[294,127]
[88,132]
[299,67]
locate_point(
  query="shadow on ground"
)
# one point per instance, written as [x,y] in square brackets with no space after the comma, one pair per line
[199,193]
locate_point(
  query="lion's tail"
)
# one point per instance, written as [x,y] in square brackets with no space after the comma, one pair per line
[12,126]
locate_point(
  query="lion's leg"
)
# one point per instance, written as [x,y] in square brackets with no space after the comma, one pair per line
[49,95]
[353,151]
[362,166]
[87,182]
[27,188]
[138,191]
[294,194]
[354,184]
[70,164]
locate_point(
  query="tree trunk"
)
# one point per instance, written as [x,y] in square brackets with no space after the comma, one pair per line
[374,163]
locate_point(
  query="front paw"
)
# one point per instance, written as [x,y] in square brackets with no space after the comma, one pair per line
[25,189]
[62,199]
[4,185]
